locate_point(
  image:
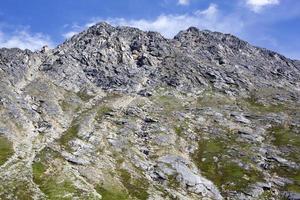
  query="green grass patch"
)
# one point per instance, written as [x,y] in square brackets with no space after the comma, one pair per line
[292,174]
[284,136]
[112,193]
[67,106]
[181,127]
[101,112]
[213,160]
[252,103]
[136,188]
[293,188]
[6,150]
[84,96]
[179,130]
[53,184]
[71,102]
[287,140]
[169,103]
[38,170]
[173,182]
[16,189]
[55,189]
[266,195]
[64,105]
[213,99]
[69,134]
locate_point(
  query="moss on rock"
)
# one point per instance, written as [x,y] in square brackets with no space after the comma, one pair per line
[213,160]
[69,134]
[50,179]
[111,193]
[101,112]
[136,187]
[6,150]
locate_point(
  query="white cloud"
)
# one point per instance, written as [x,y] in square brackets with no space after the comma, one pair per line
[69,34]
[24,40]
[75,29]
[258,5]
[184,2]
[210,12]
[169,25]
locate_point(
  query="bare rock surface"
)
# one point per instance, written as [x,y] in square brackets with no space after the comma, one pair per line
[118,113]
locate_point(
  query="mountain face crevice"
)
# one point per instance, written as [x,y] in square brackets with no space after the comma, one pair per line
[119,113]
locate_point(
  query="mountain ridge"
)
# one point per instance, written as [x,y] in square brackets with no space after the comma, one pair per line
[209,52]
[120,113]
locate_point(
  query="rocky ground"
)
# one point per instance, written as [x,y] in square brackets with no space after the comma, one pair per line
[118,113]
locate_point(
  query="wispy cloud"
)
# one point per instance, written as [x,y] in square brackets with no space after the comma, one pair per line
[246,25]
[258,5]
[211,11]
[23,39]
[169,25]
[184,2]
[70,34]
[75,29]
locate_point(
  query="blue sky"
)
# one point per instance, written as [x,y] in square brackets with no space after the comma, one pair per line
[273,24]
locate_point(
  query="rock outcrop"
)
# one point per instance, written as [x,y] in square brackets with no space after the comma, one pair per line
[119,113]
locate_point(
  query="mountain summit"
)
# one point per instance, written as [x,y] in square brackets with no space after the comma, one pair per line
[119,113]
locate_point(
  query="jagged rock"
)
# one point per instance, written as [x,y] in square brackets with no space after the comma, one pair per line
[173,165]
[242,119]
[292,195]
[145,93]
[150,120]
[119,111]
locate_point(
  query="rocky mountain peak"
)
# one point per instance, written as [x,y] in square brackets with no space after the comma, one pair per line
[120,113]
[129,59]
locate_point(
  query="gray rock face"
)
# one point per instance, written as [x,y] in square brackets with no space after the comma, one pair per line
[292,196]
[170,165]
[115,112]
[128,59]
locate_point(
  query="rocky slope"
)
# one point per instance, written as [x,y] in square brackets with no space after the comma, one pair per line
[118,113]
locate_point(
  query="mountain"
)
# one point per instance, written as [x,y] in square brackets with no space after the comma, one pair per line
[119,113]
